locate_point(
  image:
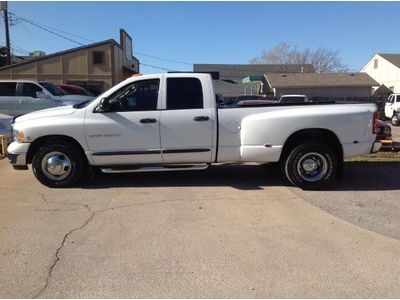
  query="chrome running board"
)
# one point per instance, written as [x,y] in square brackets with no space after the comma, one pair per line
[154,168]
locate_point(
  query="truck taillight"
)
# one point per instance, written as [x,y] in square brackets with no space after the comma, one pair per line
[376,129]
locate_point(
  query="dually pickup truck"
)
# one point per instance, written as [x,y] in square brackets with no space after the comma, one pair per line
[171,122]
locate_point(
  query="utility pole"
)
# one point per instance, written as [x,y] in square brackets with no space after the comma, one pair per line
[5,11]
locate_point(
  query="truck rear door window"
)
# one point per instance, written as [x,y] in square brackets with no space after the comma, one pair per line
[184,93]
[7,88]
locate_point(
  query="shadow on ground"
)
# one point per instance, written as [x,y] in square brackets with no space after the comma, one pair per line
[358,176]
[369,176]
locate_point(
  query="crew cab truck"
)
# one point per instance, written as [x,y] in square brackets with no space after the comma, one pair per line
[171,122]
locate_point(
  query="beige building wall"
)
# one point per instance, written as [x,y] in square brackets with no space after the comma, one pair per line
[77,66]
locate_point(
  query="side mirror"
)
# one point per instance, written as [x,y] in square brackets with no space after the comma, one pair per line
[104,105]
[220,99]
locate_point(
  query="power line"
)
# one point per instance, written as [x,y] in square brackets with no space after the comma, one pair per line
[166,59]
[52,31]
[155,67]
[18,51]
[38,38]
[48,30]
[19,48]
[53,28]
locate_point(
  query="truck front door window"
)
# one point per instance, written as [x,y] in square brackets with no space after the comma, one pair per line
[139,96]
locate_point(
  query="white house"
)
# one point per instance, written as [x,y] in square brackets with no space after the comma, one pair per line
[385,69]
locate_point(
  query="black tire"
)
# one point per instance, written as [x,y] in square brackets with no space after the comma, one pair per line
[67,160]
[310,166]
[395,120]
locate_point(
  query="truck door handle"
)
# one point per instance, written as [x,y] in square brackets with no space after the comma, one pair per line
[201,118]
[21,101]
[150,120]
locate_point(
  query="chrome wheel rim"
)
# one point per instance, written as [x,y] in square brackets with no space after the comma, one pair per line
[311,167]
[56,165]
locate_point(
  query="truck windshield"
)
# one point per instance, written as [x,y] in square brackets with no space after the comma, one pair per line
[52,88]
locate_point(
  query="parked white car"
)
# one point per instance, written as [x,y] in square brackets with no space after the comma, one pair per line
[23,96]
[392,109]
[5,127]
[170,122]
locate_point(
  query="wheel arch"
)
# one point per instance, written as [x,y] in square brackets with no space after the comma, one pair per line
[315,135]
[37,143]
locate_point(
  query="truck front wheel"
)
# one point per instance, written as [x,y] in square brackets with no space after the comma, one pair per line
[58,165]
[310,165]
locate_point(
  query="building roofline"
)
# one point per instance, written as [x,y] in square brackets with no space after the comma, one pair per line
[271,76]
[250,64]
[361,70]
[382,56]
[109,41]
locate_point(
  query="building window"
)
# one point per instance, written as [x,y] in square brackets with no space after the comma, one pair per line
[98,57]
[391,88]
[375,63]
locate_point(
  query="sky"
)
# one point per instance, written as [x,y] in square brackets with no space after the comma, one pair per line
[211,32]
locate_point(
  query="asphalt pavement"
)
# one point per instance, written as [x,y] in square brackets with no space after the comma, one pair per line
[230,231]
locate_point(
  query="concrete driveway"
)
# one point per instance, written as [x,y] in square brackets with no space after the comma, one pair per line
[230,231]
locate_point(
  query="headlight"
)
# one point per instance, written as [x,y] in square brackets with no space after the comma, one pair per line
[18,136]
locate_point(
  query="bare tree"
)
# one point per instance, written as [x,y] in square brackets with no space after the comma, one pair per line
[324,60]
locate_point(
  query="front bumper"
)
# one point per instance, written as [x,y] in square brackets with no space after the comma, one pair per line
[17,153]
[376,147]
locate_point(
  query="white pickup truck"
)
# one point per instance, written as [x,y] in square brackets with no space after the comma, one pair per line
[171,122]
[392,109]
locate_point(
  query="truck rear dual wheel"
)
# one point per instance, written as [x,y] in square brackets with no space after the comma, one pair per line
[58,165]
[310,166]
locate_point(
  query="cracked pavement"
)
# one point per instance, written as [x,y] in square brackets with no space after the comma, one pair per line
[230,231]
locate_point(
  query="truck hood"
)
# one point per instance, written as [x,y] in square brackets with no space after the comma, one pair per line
[45,113]
[73,99]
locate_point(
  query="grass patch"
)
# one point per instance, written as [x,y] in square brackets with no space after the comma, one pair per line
[379,156]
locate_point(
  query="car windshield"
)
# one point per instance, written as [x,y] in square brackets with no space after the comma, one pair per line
[52,88]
